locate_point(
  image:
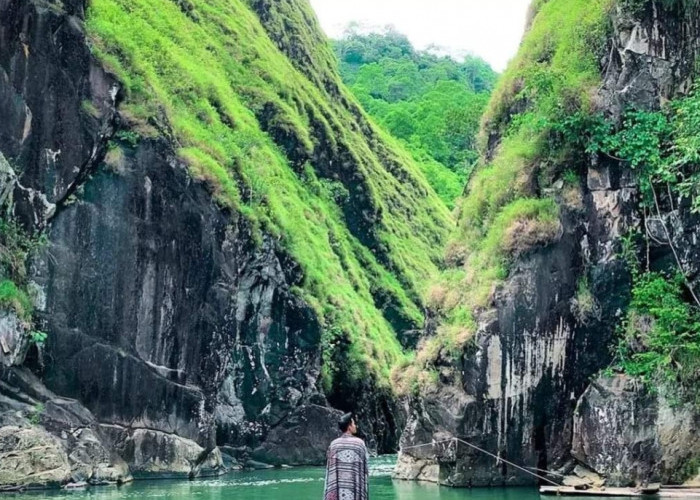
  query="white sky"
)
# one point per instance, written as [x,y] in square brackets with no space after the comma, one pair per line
[488,28]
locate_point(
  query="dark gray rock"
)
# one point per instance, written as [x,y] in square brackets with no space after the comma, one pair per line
[630,436]
[302,438]
[47,440]
[158,455]
[165,315]
[172,326]
[14,339]
[515,393]
[46,73]
[651,56]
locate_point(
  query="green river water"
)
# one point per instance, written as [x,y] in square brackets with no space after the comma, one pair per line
[283,484]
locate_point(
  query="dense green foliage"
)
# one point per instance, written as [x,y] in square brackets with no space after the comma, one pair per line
[660,341]
[259,129]
[662,146]
[433,104]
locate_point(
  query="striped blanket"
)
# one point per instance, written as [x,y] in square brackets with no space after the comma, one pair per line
[347,471]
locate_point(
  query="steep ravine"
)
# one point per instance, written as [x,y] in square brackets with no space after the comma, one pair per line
[525,388]
[186,316]
[222,261]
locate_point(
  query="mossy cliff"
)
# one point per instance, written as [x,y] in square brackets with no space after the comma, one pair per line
[208,250]
[582,209]
[232,249]
[258,112]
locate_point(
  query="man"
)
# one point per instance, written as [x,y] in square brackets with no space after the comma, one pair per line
[347,469]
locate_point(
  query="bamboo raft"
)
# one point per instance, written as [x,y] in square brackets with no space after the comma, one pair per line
[655,491]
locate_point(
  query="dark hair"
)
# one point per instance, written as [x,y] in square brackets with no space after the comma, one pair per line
[345,422]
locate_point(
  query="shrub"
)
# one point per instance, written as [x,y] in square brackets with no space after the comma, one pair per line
[15,248]
[660,337]
[663,146]
[15,299]
[37,337]
[35,414]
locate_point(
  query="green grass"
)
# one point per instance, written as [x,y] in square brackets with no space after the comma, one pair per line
[15,299]
[15,248]
[556,67]
[554,73]
[503,213]
[448,184]
[215,72]
[521,225]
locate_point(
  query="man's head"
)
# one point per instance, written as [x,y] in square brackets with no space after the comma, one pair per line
[347,424]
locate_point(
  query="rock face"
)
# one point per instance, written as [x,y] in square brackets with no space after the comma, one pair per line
[516,391]
[49,440]
[124,254]
[172,330]
[302,438]
[532,359]
[630,436]
[14,340]
[34,457]
[520,383]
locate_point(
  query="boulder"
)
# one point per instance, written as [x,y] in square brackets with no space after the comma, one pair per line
[14,339]
[31,457]
[302,438]
[411,468]
[631,436]
[157,455]
[48,440]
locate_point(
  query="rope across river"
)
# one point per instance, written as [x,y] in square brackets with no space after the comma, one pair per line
[473,446]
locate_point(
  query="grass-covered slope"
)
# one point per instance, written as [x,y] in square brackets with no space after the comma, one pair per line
[506,210]
[257,111]
[539,131]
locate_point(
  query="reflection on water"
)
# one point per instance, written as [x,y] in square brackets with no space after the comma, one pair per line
[285,484]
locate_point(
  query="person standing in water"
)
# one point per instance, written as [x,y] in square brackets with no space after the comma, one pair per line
[347,471]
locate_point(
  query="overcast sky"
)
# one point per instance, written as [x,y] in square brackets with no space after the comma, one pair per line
[488,28]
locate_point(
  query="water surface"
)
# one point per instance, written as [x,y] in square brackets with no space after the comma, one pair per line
[284,484]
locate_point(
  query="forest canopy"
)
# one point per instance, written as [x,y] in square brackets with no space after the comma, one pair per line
[431,102]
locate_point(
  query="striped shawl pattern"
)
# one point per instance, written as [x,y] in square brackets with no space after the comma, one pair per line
[347,470]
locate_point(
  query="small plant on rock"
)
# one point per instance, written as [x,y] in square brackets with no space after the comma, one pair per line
[38,337]
[584,305]
[34,415]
